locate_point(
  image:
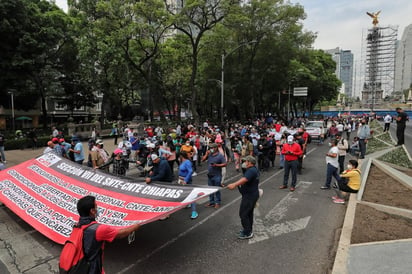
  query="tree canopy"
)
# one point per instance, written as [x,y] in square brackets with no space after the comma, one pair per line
[154,56]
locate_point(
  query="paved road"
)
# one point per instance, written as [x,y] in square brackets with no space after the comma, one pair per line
[294,233]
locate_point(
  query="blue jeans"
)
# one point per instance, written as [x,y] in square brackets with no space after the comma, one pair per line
[3,157]
[192,205]
[290,166]
[331,171]
[282,160]
[362,148]
[214,181]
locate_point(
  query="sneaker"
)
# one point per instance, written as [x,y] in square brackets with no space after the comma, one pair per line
[283,187]
[325,187]
[244,236]
[194,174]
[292,189]
[210,205]
[217,206]
[335,197]
[339,201]
[194,215]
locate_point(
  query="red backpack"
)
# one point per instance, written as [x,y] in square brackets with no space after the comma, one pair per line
[72,259]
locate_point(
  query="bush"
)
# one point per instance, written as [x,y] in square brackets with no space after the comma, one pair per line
[23,143]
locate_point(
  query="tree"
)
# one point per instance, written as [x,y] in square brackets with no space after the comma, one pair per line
[194,19]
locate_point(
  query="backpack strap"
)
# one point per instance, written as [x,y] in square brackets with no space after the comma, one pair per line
[91,247]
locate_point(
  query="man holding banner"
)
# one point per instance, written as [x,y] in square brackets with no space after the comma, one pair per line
[94,239]
[248,187]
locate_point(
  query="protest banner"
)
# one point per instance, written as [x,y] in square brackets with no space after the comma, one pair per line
[44,192]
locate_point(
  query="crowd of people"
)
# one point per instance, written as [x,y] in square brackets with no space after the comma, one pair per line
[253,148]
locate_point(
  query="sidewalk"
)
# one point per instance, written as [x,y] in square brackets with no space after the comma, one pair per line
[389,257]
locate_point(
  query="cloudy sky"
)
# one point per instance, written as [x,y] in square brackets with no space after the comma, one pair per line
[340,23]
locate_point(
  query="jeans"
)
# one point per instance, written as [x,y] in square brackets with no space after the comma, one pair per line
[192,205]
[341,160]
[290,165]
[362,148]
[3,157]
[331,171]
[281,160]
[247,205]
[214,181]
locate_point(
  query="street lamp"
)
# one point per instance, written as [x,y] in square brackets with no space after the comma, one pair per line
[12,107]
[222,81]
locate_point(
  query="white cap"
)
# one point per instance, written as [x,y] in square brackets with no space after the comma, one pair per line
[154,157]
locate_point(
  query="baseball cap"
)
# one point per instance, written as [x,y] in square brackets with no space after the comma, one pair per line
[99,142]
[117,151]
[55,140]
[212,145]
[250,159]
[61,140]
[154,157]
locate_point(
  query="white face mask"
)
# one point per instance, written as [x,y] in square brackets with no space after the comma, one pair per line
[349,166]
[212,150]
[330,144]
[244,165]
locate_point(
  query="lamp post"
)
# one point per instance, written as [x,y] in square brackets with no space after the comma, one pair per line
[12,107]
[222,81]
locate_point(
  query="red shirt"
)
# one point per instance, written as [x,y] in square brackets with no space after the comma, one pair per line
[149,131]
[294,149]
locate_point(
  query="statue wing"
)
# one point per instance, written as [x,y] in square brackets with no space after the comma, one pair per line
[376,14]
[370,14]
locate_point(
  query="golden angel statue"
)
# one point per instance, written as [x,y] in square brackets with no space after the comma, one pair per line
[374,16]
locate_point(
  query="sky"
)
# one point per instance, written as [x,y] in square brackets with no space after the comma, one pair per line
[340,23]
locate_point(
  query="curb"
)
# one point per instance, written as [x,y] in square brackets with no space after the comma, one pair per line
[341,263]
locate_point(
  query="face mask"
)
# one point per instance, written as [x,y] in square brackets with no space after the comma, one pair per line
[290,142]
[349,166]
[244,165]
[212,150]
[330,144]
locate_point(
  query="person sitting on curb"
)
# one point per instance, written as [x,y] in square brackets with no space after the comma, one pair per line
[350,182]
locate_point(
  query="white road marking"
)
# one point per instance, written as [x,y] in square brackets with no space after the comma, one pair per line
[201,222]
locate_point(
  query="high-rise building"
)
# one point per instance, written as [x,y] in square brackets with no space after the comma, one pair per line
[344,68]
[403,62]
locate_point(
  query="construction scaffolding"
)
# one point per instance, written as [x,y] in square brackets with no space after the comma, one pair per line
[378,57]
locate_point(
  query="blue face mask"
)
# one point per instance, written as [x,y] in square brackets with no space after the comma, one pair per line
[212,150]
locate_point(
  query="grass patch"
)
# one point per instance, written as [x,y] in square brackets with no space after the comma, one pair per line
[385,137]
[374,145]
[398,157]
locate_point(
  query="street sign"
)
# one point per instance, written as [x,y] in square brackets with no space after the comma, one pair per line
[300,91]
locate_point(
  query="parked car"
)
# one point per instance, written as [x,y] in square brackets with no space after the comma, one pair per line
[316,129]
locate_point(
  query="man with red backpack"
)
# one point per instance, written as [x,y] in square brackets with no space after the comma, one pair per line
[94,237]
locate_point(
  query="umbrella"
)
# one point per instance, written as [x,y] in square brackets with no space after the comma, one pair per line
[22,118]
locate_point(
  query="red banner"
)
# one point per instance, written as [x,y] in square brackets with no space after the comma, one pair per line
[44,193]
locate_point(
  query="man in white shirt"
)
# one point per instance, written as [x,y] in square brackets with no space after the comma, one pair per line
[332,164]
[387,119]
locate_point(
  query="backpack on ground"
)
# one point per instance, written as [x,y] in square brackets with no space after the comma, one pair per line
[72,258]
